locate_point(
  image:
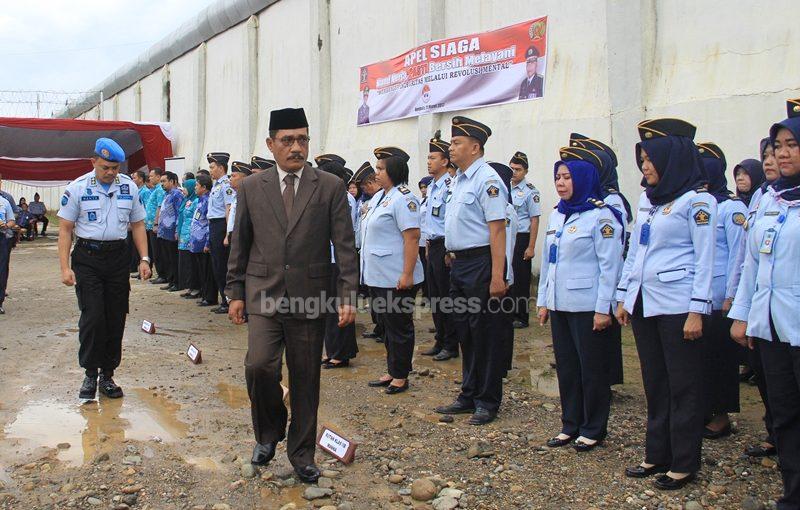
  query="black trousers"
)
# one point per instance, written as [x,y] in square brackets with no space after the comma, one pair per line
[438,282]
[397,319]
[219,254]
[615,366]
[153,252]
[754,361]
[781,363]
[424,259]
[208,286]
[42,218]
[378,329]
[102,286]
[340,343]
[267,339]
[187,275]
[484,355]
[505,318]
[133,253]
[5,256]
[672,370]
[521,291]
[583,376]
[720,368]
[168,257]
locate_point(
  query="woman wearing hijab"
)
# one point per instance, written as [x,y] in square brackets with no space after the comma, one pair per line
[581,259]
[188,273]
[665,291]
[720,355]
[749,176]
[765,310]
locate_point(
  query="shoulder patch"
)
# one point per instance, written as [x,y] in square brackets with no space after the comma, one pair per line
[403,190]
[64,199]
[607,231]
[67,193]
[530,186]
[229,191]
[739,218]
[412,206]
[701,217]
[699,204]
[536,198]
[493,191]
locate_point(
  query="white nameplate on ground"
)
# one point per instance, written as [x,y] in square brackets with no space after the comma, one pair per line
[337,445]
[148,327]
[194,354]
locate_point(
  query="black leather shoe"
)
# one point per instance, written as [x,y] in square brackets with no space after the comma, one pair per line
[643,472]
[204,303]
[186,294]
[109,388]
[307,474]
[220,309]
[377,383]
[482,416]
[342,364]
[158,281]
[519,325]
[761,451]
[391,389]
[445,355]
[369,334]
[433,351]
[88,388]
[455,408]
[667,483]
[582,447]
[725,431]
[174,288]
[263,453]
[555,442]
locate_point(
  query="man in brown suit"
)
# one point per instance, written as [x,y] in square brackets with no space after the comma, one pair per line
[279,271]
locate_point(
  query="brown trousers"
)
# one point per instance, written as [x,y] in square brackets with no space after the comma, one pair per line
[302,339]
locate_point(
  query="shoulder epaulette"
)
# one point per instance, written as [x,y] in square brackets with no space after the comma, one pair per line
[403,190]
[597,203]
[530,186]
[612,191]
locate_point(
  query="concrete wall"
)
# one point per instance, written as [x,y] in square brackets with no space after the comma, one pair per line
[611,64]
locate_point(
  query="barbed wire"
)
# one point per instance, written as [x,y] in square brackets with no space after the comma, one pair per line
[43,103]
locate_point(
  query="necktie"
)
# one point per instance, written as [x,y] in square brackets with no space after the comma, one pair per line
[288,193]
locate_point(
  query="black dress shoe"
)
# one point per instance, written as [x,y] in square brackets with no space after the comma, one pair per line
[482,416]
[369,334]
[165,287]
[643,472]
[174,288]
[205,303]
[186,294]
[445,355]
[392,389]
[377,383]
[433,351]
[263,453]
[519,325]
[555,442]
[158,281]
[761,451]
[109,388]
[582,447]
[667,483]
[329,364]
[725,431]
[88,388]
[456,408]
[220,309]
[307,474]
[192,296]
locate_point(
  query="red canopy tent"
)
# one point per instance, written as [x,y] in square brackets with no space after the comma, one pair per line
[59,149]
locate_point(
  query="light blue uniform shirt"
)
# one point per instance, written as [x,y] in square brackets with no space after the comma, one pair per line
[478,197]
[511,239]
[383,226]
[588,257]
[526,202]
[365,207]
[221,196]
[751,214]
[615,200]
[98,214]
[6,211]
[731,219]
[231,217]
[423,211]
[770,283]
[154,199]
[433,226]
[673,271]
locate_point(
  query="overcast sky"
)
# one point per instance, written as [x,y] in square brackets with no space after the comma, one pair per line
[72,45]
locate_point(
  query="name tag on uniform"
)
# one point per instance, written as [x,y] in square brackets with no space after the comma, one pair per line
[89,198]
[124,197]
[767,241]
[644,235]
[197,215]
[435,211]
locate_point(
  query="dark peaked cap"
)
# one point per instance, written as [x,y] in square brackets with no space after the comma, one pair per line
[218,157]
[238,166]
[261,163]
[710,150]
[363,172]
[391,152]
[287,118]
[463,126]
[579,154]
[520,158]
[322,158]
[656,128]
[436,144]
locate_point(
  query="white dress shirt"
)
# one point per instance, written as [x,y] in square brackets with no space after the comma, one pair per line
[282,174]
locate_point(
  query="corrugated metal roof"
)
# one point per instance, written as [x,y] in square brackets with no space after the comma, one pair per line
[211,21]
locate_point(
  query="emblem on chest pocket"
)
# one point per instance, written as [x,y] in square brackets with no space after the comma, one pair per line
[91,215]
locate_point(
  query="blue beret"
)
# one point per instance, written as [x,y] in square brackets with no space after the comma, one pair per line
[109,150]
[426,181]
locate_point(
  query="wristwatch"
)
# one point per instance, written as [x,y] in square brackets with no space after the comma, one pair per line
[145,259]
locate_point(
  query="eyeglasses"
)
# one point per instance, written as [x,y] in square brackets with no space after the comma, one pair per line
[289,141]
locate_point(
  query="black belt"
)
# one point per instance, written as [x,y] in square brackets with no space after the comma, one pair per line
[216,219]
[471,253]
[91,244]
[436,240]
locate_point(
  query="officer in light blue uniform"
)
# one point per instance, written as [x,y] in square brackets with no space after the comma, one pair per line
[390,269]
[423,243]
[6,223]
[98,207]
[581,259]
[359,178]
[666,290]
[220,201]
[438,275]
[765,310]
[720,354]
[526,200]
[475,239]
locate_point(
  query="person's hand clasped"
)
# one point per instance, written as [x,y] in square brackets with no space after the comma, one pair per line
[406,281]
[529,253]
[601,321]
[622,315]
[498,288]
[347,315]
[236,311]
[543,315]
[693,327]
[68,277]
[144,270]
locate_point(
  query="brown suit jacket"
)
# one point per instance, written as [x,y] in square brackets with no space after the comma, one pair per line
[273,256]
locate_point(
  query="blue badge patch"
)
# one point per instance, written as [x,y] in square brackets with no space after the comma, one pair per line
[64,200]
[92,215]
[124,197]
[90,198]
[88,191]
[493,191]
[701,217]
[124,189]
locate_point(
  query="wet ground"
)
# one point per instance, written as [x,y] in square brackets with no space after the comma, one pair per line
[180,435]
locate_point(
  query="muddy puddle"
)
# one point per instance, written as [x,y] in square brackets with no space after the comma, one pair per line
[234,396]
[81,431]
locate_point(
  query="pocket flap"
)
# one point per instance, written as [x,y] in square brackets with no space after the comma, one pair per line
[257,269]
[380,252]
[466,198]
[672,275]
[580,283]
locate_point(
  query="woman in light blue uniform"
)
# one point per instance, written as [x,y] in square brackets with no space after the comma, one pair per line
[423,243]
[581,259]
[390,263]
[665,290]
[721,355]
[765,310]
